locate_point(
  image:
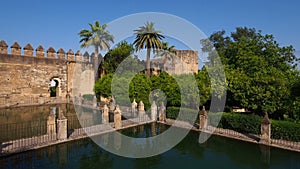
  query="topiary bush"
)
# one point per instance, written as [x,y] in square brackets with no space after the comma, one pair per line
[285,130]
[187,114]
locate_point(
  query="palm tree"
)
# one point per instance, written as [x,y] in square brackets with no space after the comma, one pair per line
[98,37]
[166,53]
[149,38]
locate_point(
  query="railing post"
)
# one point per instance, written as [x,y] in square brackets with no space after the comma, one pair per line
[162,113]
[203,119]
[105,115]
[265,130]
[62,128]
[153,111]
[118,118]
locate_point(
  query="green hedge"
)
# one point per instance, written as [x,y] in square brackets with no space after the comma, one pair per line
[187,114]
[285,130]
[244,123]
[89,97]
[238,122]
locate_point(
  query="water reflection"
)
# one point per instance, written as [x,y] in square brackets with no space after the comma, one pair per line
[217,152]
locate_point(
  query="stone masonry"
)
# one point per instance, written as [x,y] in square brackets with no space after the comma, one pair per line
[26,78]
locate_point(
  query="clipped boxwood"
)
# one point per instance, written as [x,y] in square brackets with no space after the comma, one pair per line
[187,114]
[285,130]
[239,122]
[244,123]
[88,97]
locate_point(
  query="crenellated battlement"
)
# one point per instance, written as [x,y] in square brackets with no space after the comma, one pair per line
[27,74]
[40,52]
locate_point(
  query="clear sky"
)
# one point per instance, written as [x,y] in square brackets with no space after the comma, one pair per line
[56,23]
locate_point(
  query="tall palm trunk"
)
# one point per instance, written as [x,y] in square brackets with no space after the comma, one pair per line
[96,64]
[148,62]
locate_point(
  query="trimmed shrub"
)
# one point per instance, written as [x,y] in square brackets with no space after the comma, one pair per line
[88,97]
[187,114]
[238,122]
[285,130]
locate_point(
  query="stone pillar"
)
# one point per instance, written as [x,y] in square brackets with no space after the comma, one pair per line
[28,50]
[105,115]
[265,130]
[61,128]
[162,113]
[141,108]
[118,118]
[153,111]
[203,119]
[134,108]
[16,49]
[112,105]
[40,52]
[95,102]
[3,47]
[51,126]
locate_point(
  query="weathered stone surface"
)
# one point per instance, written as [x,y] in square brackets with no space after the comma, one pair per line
[28,50]
[25,79]
[51,52]
[265,130]
[162,113]
[16,49]
[134,108]
[184,61]
[118,118]
[3,47]
[62,128]
[153,111]
[203,119]
[40,51]
[51,126]
[105,115]
[141,109]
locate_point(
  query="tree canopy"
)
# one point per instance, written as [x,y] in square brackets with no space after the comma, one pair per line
[259,72]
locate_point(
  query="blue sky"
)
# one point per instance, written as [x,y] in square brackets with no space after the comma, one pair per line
[56,23]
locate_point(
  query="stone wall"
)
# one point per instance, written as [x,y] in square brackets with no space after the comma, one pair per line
[25,78]
[184,62]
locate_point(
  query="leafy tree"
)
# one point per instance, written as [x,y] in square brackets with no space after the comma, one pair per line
[149,38]
[115,56]
[258,70]
[140,89]
[204,86]
[98,37]
[103,86]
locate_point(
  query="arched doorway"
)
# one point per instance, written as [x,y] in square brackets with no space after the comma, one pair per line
[54,87]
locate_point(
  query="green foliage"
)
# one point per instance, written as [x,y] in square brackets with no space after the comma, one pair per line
[176,90]
[89,97]
[186,113]
[115,56]
[140,88]
[149,38]
[259,72]
[246,123]
[239,122]
[285,130]
[103,86]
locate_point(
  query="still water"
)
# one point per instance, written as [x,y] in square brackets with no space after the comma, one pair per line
[217,152]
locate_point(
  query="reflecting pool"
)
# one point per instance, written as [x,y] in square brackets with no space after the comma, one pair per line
[217,152]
